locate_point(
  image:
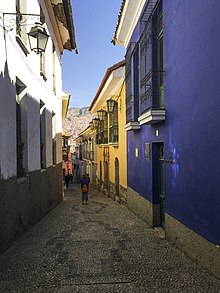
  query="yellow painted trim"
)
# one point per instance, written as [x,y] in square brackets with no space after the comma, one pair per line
[65,104]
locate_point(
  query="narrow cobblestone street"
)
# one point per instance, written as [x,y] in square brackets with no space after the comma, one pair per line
[101,247]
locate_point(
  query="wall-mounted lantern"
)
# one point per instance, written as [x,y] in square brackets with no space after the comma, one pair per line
[38,38]
[101,114]
[110,105]
[96,122]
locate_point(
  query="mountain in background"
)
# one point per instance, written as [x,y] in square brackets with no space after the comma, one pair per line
[76,121]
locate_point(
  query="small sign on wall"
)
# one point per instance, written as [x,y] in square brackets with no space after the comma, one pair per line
[147,151]
[136,152]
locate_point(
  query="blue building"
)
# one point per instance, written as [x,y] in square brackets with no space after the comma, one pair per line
[172,118]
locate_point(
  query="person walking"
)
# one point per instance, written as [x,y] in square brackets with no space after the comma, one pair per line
[85,189]
[67,178]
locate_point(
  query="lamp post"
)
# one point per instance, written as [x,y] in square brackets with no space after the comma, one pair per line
[38,38]
[110,105]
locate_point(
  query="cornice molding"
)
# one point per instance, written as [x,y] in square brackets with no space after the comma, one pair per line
[53,21]
[131,16]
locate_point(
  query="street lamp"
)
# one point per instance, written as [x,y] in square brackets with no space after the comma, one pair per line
[110,105]
[95,122]
[101,114]
[38,38]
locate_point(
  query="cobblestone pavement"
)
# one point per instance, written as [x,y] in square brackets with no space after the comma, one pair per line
[99,247]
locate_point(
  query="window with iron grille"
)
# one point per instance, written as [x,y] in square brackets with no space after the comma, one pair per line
[136,81]
[144,65]
[160,59]
[102,133]
[113,124]
[129,88]
[157,57]
[146,71]
[80,152]
[43,139]
[91,150]
[106,155]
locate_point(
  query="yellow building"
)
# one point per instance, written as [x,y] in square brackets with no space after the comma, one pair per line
[86,153]
[109,106]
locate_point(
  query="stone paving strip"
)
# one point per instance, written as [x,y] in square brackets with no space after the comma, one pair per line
[101,247]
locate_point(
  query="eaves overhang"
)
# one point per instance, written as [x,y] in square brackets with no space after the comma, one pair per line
[129,14]
[64,18]
[65,104]
[84,131]
[112,80]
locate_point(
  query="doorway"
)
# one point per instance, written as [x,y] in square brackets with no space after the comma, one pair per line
[161,185]
[116,176]
[100,168]
[158,184]
[106,176]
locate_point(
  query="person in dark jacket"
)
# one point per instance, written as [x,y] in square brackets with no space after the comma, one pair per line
[85,189]
[67,179]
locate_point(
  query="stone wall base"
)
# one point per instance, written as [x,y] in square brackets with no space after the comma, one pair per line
[24,201]
[121,197]
[143,208]
[196,247]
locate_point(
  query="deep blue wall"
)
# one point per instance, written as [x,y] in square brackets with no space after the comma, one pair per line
[192,98]
[139,173]
[140,169]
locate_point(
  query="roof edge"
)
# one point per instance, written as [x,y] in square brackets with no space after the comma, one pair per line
[114,39]
[69,19]
[105,78]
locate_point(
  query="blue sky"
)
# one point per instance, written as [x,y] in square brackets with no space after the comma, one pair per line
[95,23]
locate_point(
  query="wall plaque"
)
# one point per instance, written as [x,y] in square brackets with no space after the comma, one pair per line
[147,151]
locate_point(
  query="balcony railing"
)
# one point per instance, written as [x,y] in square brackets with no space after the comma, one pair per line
[113,134]
[102,137]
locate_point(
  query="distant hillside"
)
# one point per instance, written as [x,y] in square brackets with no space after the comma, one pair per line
[76,121]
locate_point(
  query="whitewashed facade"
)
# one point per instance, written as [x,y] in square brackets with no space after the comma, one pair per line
[31,112]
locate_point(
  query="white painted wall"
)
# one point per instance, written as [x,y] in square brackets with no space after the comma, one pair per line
[14,63]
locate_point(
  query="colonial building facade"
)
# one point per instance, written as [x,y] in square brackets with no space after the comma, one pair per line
[109,105]
[86,153]
[31,111]
[172,109]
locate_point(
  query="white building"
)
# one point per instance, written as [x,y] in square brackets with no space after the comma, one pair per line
[31,112]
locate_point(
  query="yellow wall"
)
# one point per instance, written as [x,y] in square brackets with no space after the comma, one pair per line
[121,151]
[99,150]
